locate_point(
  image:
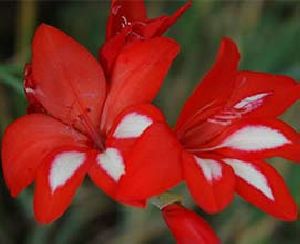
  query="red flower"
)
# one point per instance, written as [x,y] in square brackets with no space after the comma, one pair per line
[84,125]
[228,127]
[187,227]
[128,22]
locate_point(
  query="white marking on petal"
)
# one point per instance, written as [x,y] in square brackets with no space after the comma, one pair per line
[251,102]
[219,121]
[63,168]
[244,106]
[251,175]
[132,125]
[29,90]
[112,162]
[212,170]
[255,138]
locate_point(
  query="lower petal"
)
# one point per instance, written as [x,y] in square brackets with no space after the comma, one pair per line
[153,165]
[210,182]
[27,142]
[260,184]
[108,168]
[258,139]
[142,158]
[57,181]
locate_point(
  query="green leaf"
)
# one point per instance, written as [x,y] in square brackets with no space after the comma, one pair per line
[10,80]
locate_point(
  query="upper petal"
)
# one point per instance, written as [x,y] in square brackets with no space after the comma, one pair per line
[27,142]
[138,74]
[133,14]
[67,80]
[157,26]
[110,51]
[220,100]
[124,13]
[213,91]
[128,23]
[262,95]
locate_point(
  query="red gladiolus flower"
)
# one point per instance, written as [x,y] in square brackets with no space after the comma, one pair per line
[228,127]
[128,22]
[187,227]
[83,125]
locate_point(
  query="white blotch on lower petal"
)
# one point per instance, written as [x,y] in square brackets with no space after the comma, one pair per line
[132,125]
[251,102]
[212,170]
[255,138]
[112,162]
[64,167]
[251,175]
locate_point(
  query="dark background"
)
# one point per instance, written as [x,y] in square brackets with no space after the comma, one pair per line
[268,35]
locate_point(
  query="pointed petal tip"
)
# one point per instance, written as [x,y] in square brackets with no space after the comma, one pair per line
[42,221]
[45,28]
[185,7]
[14,192]
[291,214]
[49,31]
[42,33]
[174,47]
[229,46]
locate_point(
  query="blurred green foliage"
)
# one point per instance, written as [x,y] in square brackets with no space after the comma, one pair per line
[268,35]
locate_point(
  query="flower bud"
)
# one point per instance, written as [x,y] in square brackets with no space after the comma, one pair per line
[187,227]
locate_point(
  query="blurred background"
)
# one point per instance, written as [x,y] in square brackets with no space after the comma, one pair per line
[268,35]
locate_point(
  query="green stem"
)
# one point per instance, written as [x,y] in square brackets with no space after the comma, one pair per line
[25,26]
[165,199]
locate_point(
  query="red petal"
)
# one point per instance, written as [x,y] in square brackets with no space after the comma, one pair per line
[128,23]
[124,13]
[57,181]
[210,182]
[132,14]
[261,185]
[107,171]
[138,165]
[262,95]
[25,144]
[68,81]
[153,165]
[211,94]
[110,51]
[254,95]
[138,74]
[257,139]
[220,101]
[157,26]
[100,171]
[120,142]
[187,227]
